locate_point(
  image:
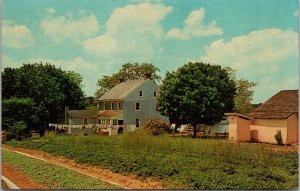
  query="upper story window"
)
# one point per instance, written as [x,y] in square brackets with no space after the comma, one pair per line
[112,106]
[154,94]
[137,106]
[141,93]
[119,106]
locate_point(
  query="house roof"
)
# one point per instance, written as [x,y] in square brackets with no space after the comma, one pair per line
[109,112]
[238,115]
[120,91]
[280,106]
[82,113]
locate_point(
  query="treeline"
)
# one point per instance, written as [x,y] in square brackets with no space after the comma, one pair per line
[37,94]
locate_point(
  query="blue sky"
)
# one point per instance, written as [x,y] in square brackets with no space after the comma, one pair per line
[258,38]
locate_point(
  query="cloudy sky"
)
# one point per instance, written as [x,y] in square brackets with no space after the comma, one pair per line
[258,38]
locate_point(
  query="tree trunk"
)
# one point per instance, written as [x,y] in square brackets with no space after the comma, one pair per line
[176,127]
[195,131]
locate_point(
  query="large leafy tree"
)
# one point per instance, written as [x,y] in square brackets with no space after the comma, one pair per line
[129,71]
[197,93]
[244,93]
[50,88]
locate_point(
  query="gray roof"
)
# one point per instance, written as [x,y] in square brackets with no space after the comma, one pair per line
[120,91]
[82,113]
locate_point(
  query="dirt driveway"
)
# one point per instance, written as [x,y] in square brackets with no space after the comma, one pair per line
[128,181]
[19,179]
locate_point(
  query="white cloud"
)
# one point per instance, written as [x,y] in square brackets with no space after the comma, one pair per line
[51,10]
[194,27]
[296,13]
[77,64]
[132,29]
[89,71]
[9,62]
[102,44]
[16,36]
[61,27]
[268,57]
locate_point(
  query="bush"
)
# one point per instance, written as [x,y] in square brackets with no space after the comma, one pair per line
[156,127]
[17,131]
[278,138]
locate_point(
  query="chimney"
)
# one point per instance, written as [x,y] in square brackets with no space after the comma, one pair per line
[147,76]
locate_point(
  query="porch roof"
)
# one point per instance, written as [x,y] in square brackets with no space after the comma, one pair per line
[108,113]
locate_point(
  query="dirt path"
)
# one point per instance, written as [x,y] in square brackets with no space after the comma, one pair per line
[128,181]
[22,181]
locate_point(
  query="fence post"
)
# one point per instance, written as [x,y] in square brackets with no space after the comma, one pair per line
[3,136]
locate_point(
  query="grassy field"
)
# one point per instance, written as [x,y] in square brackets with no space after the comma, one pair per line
[180,163]
[52,176]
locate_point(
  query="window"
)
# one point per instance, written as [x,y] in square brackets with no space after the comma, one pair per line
[112,106]
[154,94]
[141,93]
[119,106]
[137,123]
[115,121]
[107,121]
[137,106]
[99,121]
[85,121]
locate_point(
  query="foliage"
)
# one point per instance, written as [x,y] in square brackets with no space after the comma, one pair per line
[197,93]
[156,126]
[50,88]
[244,93]
[17,112]
[52,176]
[180,163]
[16,131]
[128,71]
[278,138]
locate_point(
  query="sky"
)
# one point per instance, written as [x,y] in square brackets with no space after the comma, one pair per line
[257,38]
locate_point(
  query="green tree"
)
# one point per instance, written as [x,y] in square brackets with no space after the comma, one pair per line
[244,93]
[197,93]
[49,87]
[128,71]
[19,110]
[168,92]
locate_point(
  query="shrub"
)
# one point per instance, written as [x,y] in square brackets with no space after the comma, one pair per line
[278,137]
[156,126]
[17,131]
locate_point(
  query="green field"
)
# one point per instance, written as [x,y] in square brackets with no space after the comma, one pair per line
[52,176]
[180,163]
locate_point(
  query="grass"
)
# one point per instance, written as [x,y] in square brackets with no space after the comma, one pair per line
[52,176]
[180,163]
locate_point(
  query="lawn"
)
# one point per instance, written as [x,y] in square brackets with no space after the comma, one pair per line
[180,163]
[52,176]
